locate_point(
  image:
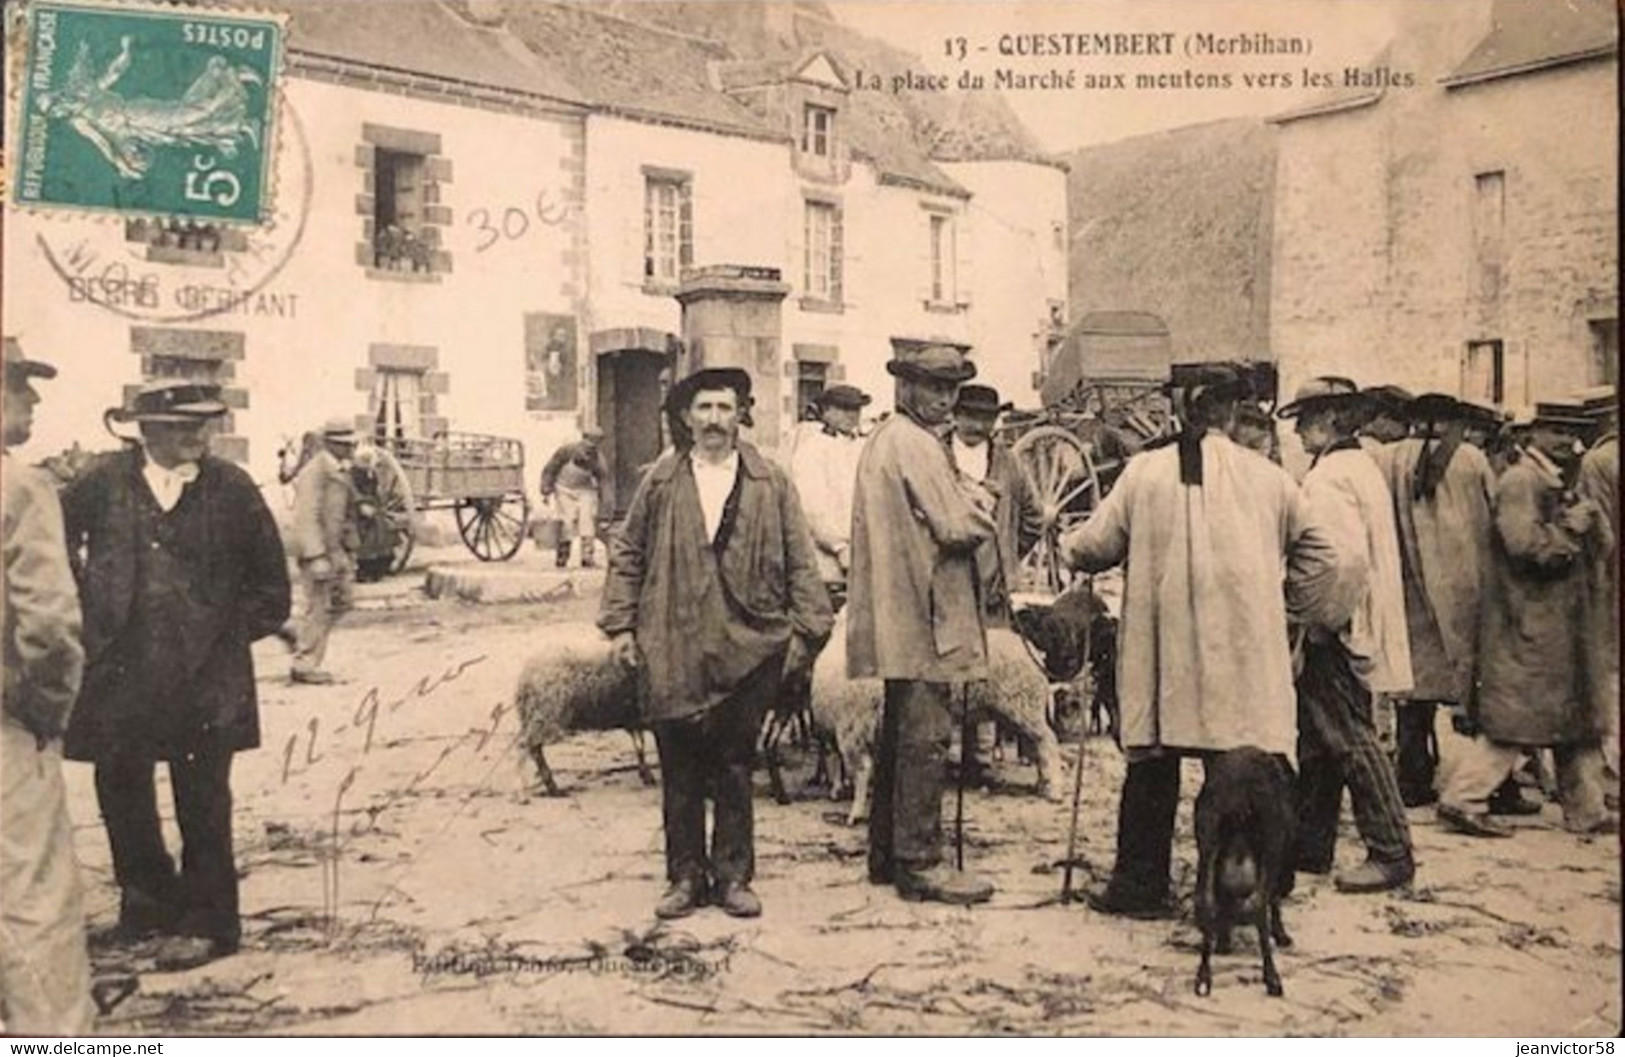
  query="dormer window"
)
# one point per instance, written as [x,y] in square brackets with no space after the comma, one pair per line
[818,130]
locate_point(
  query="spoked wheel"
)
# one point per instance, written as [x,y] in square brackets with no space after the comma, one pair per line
[493,527]
[1061,478]
[399,507]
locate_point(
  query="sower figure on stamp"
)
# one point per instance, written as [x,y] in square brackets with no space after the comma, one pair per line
[916,618]
[577,479]
[44,970]
[1207,529]
[182,570]
[325,539]
[1344,665]
[712,587]
[1539,652]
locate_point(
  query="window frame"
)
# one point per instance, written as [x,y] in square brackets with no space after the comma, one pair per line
[818,130]
[667,244]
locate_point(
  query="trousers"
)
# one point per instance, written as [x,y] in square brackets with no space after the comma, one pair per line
[325,601]
[709,757]
[204,892]
[44,969]
[911,756]
[1477,767]
[1338,748]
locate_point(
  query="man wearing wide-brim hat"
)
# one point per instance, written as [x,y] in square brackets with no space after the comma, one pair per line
[1346,665]
[1204,663]
[44,969]
[915,619]
[1540,653]
[183,571]
[324,542]
[713,588]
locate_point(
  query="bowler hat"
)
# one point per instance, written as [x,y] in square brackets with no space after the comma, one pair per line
[735,378]
[979,400]
[340,428]
[171,401]
[1208,378]
[845,397]
[1438,407]
[20,366]
[1390,400]
[940,363]
[1321,393]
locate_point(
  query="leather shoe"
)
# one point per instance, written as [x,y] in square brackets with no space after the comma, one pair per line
[681,899]
[180,953]
[1373,876]
[1513,803]
[943,884]
[141,915]
[1108,900]
[1473,825]
[312,677]
[738,901]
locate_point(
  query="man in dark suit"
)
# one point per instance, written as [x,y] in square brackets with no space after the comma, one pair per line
[181,570]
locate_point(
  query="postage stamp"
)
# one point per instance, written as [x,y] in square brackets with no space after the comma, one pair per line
[142,111]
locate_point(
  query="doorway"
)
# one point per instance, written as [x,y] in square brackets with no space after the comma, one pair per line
[631,388]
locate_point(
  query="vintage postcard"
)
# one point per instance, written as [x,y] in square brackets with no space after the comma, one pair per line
[628,421]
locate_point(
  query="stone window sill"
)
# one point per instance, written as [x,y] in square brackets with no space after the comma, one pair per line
[823,305]
[655,289]
[945,308]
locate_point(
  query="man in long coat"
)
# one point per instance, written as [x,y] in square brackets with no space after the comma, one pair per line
[1599,483]
[1345,665]
[712,586]
[325,541]
[1537,663]
[182,571]
[44,970]
[1442,489]
[916,618]
[1208,530]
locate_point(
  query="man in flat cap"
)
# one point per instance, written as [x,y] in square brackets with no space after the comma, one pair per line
[1345,665]
[44,970]
[325,540]
[1537,665]
[824,468]
[712,587]
[916,617]
[576,478]
[182,569]
[1206,528]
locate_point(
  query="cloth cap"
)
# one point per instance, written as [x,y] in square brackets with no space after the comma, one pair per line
[941,363]
[172,401]
[20,366]
[844,397]
[1318,394]
[980,400]
[340,428]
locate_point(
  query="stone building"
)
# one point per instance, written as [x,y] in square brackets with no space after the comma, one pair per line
[1449,220]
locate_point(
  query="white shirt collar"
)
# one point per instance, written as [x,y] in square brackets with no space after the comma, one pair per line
[972,461]
[715,481]
[167,483]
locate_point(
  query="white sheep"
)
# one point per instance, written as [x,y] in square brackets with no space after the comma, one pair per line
[576,685]
[1016,690]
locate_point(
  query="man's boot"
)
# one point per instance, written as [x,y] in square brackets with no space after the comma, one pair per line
[562,556]
[943,884]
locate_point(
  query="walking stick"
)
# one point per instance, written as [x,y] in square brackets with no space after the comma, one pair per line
[964,758]
[1077,775]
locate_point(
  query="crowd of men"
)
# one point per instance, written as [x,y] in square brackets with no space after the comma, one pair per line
[1421,561]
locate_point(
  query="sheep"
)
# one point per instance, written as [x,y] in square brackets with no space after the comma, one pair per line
[578,686]
[1016,691]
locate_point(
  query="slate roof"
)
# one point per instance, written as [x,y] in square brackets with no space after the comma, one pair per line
[1528,35]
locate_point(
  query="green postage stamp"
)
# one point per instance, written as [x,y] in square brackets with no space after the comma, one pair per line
[165,112]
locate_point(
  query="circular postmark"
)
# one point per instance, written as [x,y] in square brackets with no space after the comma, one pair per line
[151,282]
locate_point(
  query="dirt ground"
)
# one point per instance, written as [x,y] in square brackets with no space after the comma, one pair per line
[398,879]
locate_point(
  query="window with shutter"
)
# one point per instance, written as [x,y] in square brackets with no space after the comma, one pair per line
[668,230]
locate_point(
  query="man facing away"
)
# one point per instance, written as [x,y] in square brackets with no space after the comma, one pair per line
[182,571]
[916,618]
[824,467]
[1208,531]
[576,478]
[325,539]
[44,970]
[712,587]
[1345,664]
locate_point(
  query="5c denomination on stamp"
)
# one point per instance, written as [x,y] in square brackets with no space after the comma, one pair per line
[148,111]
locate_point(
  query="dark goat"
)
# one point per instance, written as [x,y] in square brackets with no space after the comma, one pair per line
[1245,828]
[1057,630]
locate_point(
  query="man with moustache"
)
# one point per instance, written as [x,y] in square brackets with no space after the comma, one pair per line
[916,618]
[44,970]
[182,570]
[713,588]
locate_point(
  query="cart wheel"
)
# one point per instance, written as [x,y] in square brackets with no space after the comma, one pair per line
[1061,478]
[493,528]
[399,506]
